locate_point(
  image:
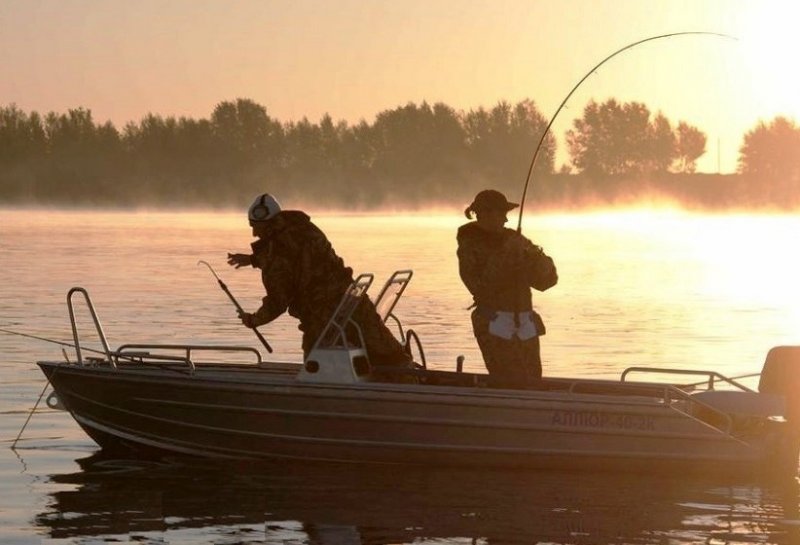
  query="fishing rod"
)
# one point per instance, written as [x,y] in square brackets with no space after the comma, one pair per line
[235,303]
[584,78]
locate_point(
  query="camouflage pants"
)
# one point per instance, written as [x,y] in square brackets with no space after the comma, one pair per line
[511,363]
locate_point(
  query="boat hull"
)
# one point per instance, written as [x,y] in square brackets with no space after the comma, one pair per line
[257,413]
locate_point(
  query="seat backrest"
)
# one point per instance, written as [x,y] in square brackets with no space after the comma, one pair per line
[334,332]
[391,292]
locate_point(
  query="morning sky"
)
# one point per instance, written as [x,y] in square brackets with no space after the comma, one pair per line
[352,58]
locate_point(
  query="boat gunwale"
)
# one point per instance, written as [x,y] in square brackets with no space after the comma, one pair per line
[454,397]
[483,394]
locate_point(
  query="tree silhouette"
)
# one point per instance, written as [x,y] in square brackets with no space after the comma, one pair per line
[416,147]
[613,139]
[501,143]
[409,155]
[690,145]
[771,150]
[661,146]
[23,148]
[770,154]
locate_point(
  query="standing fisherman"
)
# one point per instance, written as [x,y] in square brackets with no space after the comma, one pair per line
[302,274]
[499,266]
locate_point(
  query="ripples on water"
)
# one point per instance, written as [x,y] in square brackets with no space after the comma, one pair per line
[665,289]
[177,501]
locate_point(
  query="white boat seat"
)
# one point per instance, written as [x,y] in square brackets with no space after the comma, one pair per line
[743,403]
[334,358]
[334,334]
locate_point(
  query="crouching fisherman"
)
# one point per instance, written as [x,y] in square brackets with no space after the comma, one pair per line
[499,266]
[301,273]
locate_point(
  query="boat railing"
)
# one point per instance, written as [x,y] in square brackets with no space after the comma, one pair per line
[727,419]
[668,394]
[140,353]
[712,376]
[95,319]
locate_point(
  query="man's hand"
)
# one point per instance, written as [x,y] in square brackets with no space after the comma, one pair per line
[249,320]
[239,260]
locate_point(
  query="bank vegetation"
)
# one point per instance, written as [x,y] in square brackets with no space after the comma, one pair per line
[410,156]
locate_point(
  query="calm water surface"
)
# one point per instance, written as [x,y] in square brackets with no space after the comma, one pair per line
[658,288]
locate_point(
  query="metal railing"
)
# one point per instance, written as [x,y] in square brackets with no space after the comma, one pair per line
[712,376]
[142,352]
[126,351]
[96,321]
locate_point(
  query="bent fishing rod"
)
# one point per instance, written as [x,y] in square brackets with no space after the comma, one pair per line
[236,304]
[575,88]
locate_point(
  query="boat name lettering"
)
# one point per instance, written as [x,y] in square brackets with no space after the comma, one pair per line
[595,419]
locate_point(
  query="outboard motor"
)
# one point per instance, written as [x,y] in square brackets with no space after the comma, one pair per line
[781,375]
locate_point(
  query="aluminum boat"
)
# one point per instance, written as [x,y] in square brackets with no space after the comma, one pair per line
[337,405]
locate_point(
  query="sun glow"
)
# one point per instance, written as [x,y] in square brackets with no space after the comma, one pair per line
[746,261]
[769,43]
[751,260]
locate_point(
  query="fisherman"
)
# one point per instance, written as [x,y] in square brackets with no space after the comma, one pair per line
[302,274]
[499,266]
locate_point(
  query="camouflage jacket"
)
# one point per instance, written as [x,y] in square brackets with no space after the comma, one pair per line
[300,271]
[500,268]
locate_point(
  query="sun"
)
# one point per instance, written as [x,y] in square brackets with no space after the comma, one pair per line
[769,41]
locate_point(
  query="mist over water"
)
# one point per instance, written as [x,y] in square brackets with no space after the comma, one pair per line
[638,287]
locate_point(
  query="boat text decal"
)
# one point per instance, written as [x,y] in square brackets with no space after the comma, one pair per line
[595,419]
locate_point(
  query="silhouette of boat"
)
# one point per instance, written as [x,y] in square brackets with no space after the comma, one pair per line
[338,405]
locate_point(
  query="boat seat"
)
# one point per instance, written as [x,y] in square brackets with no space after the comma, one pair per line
[743,403]
[391,292]
[334,334]
[335,358]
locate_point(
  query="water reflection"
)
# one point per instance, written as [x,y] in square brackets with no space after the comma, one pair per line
[202,502]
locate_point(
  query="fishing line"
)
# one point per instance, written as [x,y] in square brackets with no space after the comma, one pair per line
[45,339]
[575,88]
[127,357]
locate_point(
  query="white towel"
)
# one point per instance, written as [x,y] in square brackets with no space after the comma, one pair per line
[503,326]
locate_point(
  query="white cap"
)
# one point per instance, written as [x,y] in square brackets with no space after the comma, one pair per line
[263,208]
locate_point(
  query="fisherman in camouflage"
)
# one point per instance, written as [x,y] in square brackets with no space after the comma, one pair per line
[499,266]
[302,274]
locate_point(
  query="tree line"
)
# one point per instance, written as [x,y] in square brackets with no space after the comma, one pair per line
[411,155]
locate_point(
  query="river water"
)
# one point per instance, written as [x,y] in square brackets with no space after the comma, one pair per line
[646,287]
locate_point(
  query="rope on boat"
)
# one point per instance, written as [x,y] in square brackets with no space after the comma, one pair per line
[30,414]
